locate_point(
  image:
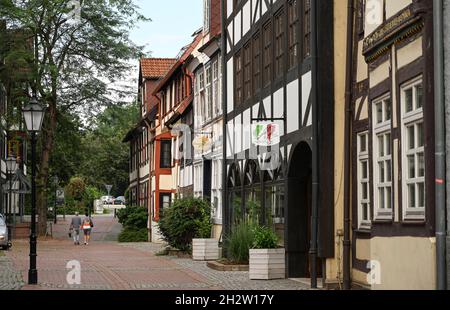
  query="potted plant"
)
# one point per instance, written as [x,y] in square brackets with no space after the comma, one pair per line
[267,261]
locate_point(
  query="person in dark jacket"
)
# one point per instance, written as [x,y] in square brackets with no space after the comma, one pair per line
[75,227]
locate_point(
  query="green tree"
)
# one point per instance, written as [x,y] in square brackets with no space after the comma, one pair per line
[74,61]
[105,157]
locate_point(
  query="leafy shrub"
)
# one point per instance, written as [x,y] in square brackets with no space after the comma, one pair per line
[133,235]
[133,217]
[239,242]
[134,221]
[185,220]
[264,238]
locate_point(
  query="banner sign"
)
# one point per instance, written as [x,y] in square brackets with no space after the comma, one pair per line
[265,134]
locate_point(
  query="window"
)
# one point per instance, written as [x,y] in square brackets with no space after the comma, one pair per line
[198,180]
[200,96]
[267,56]
[247,72]
[217,97]
[238,75]
[209,94]
[293,33]
[382,158]
[166,154]
[279,43]
[413,150]
[165,201]
[364,214]
[216,192]
[206,15]
[307,28]
[256,63]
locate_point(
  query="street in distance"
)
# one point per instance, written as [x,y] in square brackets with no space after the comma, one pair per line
[225,300]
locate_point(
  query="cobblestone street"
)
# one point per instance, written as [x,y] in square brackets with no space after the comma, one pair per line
[108,265]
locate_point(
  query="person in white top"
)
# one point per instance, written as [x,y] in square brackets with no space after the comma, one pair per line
[87,229]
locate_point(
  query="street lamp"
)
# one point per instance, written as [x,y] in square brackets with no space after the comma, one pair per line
[11,167]
[33,114]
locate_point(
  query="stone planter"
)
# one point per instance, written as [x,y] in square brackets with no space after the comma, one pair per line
[267,264]
[205,249]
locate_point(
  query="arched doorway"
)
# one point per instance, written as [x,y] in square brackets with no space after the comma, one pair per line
[298,212]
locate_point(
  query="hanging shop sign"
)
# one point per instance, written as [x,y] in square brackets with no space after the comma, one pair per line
[265,134]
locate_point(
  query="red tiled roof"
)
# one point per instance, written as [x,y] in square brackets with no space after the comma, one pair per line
[156,68]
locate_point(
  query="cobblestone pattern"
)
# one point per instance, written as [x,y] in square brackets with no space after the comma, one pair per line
[112,266]
[227,280]
[10,279]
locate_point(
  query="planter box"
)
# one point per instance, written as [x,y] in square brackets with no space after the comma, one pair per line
[205,249]
[268,264]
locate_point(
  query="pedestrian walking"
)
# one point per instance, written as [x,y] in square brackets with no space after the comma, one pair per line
[75,227]
[87,228]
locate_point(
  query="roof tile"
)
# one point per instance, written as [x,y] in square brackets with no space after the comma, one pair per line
[156,68]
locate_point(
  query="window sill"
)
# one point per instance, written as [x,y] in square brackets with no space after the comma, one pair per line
[363,231]
[414,222]
[383,220]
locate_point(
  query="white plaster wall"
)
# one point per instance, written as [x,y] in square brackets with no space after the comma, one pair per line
[392,7]
[306,92]
[293,106]
[406,263]
[230,86]
[246,22]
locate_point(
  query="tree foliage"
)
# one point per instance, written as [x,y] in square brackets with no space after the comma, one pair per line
[105,156]
[73,63]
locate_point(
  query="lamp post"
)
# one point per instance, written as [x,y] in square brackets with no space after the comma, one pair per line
[33,114]
[11,167]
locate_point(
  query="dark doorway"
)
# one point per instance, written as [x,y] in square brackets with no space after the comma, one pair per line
[207,164]
[298,213]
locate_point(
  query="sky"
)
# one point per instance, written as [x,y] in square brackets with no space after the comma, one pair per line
[173,23]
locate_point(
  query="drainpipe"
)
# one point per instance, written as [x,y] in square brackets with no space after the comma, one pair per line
[315,159]
[440,145]
[149,194]
[347,146]
[225,214]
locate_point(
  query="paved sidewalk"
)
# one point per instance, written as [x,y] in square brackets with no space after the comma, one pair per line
[107,265]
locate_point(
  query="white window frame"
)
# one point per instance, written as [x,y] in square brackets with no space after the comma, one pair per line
[363,158]
[198,180]
[412,118]
[217,90]
[383,128]
[216,188]
[208,93]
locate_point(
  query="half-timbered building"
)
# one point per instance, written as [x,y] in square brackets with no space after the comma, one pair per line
[268,81]
[392,145]
[151,71]
[206,64]
[172,170]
